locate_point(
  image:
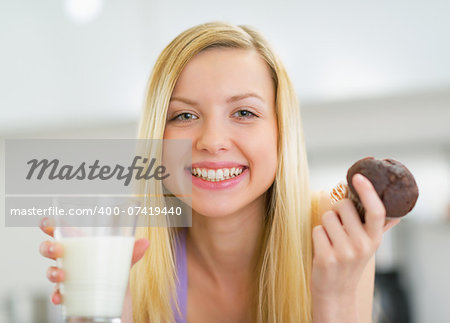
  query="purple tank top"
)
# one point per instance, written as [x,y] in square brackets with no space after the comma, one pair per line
[182,283]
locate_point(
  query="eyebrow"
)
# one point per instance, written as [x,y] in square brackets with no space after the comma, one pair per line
[234,98]
[184,100]
[244,96]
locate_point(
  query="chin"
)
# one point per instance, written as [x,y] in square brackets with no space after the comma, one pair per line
[214,210]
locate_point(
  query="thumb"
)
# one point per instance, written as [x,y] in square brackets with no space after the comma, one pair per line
[140,246]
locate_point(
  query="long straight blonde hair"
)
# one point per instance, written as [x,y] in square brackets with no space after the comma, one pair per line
[282,292]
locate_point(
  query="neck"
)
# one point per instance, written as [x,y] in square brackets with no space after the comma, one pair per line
[227,247]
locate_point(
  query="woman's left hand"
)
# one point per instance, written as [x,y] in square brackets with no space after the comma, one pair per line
[343,246]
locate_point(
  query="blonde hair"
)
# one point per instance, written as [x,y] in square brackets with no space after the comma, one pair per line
[285,259]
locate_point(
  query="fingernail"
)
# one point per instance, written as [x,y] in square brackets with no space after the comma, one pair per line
[55,299]
[359,177]
[51,249]
[54,273]
[44,223]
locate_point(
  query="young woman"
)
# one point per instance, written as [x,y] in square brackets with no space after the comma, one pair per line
[260,248]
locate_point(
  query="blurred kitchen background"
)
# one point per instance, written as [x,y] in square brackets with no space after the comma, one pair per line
[373,78]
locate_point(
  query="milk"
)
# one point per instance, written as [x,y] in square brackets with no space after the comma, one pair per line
[96,278]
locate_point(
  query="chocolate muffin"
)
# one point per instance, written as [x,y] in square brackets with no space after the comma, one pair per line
[393,182]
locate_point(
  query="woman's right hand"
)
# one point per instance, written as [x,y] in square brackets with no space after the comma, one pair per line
[53,250]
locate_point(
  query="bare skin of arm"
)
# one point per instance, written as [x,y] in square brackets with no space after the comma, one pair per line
[359,307]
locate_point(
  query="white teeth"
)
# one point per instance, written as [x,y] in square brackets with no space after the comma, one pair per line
[211,174]
[217,174]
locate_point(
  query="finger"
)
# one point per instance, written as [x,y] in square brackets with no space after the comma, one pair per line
[375,211]
[390,224]
[140,246]
[56,296]
[47,226]
[321,242]
[51,249]
[55,274]
[335,230]
[350,218]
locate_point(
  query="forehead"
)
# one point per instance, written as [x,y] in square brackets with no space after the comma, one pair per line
[226,72]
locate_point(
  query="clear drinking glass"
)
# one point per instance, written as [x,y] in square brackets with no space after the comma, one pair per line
[97,235]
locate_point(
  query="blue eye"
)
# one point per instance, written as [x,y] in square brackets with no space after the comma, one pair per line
[245,114]
[185,116]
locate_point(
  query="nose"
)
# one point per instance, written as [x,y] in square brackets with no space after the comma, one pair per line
[213,137]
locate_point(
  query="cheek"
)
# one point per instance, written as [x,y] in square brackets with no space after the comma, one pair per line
[265,153]
[272,151]
[170,133]
[166,134]
[177,133]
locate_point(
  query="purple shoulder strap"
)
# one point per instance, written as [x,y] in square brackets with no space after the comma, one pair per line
[182,284]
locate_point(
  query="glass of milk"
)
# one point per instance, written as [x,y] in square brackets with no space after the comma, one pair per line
[97,256]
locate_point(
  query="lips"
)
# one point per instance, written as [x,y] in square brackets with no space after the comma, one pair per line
[216,175]
[221,184]
[210,167]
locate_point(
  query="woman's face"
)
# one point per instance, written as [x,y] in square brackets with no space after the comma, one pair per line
[224,101]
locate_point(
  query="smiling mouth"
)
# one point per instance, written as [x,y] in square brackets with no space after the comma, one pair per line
[217,175]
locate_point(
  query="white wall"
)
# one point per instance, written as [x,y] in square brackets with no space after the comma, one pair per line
[56,71]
